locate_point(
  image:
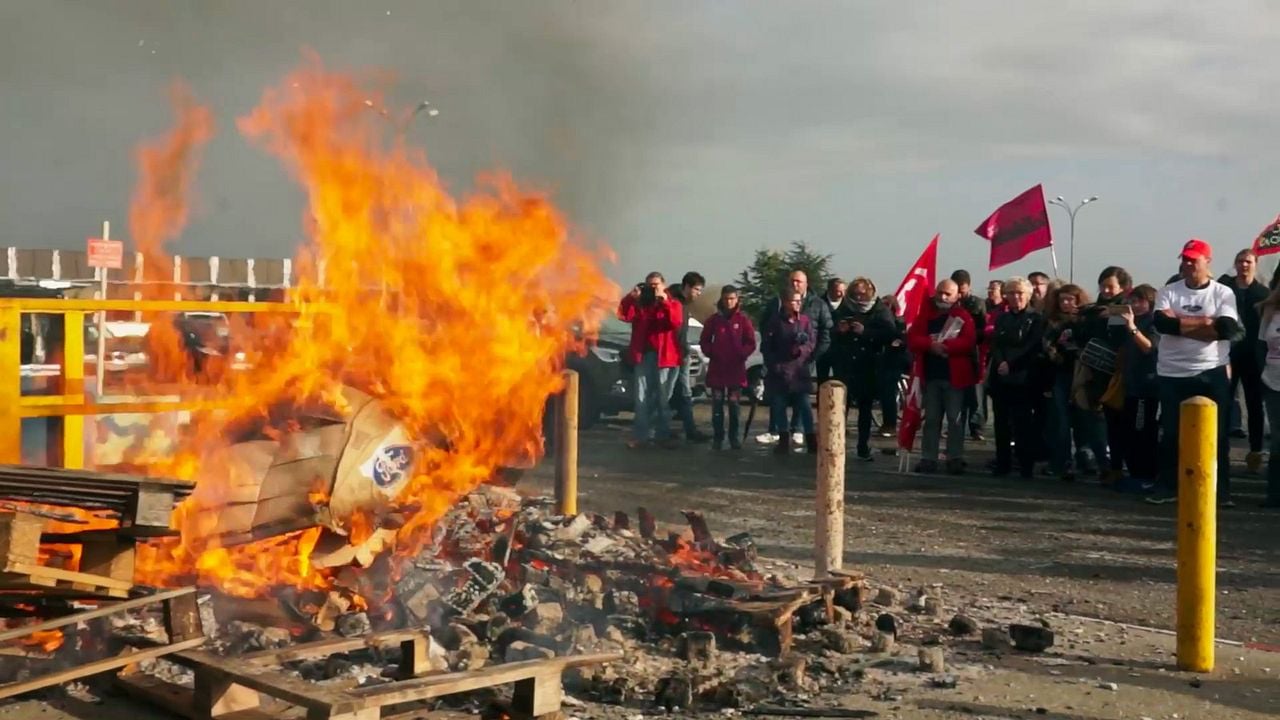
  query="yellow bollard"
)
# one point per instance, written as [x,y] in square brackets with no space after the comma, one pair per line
[73,385]
[567,446]
[10,385]
[1197,532]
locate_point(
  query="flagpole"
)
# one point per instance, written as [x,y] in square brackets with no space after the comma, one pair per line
[1054,255]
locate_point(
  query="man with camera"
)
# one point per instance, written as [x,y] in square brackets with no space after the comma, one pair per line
[654,351]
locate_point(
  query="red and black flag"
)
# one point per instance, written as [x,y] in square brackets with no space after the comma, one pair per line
[1017,228]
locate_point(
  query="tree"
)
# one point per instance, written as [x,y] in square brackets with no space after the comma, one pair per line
[760,283]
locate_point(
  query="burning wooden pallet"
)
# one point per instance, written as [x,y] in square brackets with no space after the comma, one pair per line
[36,498]
[224,686]
[106,560]
[142,505]
[182,624]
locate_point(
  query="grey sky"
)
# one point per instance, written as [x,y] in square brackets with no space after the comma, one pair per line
[688,134]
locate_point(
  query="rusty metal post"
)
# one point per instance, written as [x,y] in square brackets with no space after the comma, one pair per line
[567,446]
[829,533]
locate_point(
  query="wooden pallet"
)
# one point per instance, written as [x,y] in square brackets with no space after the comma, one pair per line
[106,560]
[142,504]
[234,687]
[182,624]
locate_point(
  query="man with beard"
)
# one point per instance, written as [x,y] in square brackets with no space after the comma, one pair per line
[941,340]
[975,400]
[863,327]
[1245,369]
[818,311]
[1039,289]
[835,296]
[689,290]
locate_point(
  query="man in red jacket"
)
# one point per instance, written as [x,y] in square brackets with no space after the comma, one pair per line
[654,352]
[942,340]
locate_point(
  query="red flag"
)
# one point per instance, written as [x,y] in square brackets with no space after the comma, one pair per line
[1268,241]
[913,293]
[1017,228]
[912,413]
[917,286]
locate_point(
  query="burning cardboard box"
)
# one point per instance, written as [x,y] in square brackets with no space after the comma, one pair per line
[326,469]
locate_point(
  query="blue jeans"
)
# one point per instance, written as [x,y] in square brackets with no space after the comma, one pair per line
[1067,420]
[801,412]
[682,398]
[1273,462]
[653,387]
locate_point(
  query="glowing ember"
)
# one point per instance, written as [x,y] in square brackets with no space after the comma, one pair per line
[45,641]
[454,314]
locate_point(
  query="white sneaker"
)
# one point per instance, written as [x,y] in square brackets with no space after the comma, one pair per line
[797,439]
[766,438]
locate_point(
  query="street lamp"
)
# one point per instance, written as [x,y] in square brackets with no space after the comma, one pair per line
[402,125]
[1071,213]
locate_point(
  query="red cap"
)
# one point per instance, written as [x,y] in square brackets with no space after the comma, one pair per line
[1196,249]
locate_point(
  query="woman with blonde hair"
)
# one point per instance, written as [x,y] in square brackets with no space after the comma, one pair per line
[1015,349]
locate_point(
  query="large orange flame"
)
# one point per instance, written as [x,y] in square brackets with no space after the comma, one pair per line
[159,211]
[454,313]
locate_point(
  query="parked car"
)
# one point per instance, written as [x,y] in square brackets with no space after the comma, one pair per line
[125,346]
[604,379]
[208,340]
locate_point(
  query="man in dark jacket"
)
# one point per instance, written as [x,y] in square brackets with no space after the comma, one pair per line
[689,289]
[975,401]
[834,296]
[863,326]
[1244,363]
[819,312]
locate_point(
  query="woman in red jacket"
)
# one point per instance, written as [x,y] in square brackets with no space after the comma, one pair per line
[941,341]
[727,340]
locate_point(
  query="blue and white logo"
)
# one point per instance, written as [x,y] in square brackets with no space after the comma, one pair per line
[392,465]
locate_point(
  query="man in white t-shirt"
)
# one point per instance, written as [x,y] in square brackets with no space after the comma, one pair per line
[1197,319]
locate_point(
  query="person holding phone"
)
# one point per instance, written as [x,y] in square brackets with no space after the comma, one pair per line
[1139,432]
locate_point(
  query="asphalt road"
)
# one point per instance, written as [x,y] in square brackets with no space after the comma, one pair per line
[1072,547]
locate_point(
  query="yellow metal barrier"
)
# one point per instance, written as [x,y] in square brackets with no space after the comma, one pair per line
[1197,532]
[70,404]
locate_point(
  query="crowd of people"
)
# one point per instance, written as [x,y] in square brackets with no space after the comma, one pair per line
[1074,386]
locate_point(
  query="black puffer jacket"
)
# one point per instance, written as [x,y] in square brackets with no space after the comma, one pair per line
[856,356]
[1247,299]
[1017,339]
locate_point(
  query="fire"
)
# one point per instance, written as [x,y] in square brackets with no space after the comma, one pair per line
[45,641]
[158,212]
[455,313]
